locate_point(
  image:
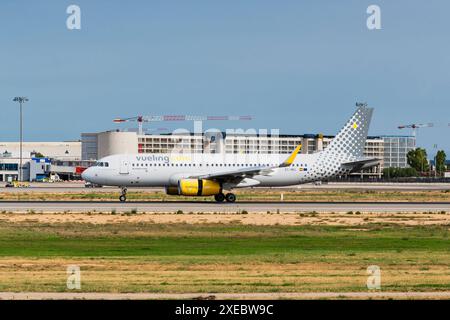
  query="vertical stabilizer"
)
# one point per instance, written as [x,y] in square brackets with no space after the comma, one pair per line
[348,145]
[352,137]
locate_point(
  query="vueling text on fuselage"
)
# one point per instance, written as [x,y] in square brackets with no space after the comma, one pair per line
[162,158]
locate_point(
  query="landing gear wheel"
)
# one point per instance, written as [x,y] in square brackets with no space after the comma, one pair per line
[219,197]
[123,195]
[230,197]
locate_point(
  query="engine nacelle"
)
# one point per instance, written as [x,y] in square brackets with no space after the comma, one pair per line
[195,187]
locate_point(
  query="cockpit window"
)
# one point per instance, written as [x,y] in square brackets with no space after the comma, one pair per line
[101,164]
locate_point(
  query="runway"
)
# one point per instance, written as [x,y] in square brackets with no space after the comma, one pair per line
[238,207]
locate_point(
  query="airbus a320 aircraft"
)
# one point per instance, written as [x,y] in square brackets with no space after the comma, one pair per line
[196,174]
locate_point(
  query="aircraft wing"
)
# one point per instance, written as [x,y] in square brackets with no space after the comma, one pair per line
[239,174]
[361,164]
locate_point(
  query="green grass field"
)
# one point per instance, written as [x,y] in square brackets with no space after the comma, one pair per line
[148,257]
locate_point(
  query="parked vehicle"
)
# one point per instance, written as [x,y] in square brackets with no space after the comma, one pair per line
[21,184]
[17,184]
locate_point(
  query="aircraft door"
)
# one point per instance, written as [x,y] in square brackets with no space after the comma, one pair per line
[124,166]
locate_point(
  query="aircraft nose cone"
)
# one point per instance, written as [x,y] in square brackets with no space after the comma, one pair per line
[86,175]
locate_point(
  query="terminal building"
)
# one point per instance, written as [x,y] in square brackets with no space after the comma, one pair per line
[36,158]
[396,149]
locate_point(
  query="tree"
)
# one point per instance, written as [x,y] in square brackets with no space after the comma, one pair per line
[440,161]
[417,159]
[37,154]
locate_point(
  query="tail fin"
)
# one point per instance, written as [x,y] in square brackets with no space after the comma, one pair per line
[347,147]
[350,141]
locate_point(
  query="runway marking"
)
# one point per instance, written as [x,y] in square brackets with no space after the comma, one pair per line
[190,206]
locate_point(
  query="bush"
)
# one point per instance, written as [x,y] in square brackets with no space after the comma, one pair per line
[399,172]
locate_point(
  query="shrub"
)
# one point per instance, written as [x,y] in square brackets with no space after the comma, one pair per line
[399,172]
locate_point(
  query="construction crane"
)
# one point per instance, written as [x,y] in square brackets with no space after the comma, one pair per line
[416,126]
[141,119]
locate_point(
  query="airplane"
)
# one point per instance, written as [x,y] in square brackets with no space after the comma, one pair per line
[200,174]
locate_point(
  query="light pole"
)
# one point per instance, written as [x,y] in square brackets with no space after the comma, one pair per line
[435,159]
[21,101]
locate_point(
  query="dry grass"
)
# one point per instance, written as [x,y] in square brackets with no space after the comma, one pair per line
[208,253]
[261,219]
[139,275]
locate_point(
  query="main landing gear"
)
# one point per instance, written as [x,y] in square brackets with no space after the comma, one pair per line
[123,196]
[229,197]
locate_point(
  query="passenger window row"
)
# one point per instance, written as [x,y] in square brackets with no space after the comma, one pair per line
[208,164]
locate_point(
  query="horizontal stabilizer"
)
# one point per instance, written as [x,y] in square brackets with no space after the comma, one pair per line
[361,164]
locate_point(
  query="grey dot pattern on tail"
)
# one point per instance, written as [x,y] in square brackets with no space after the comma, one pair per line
[348,145]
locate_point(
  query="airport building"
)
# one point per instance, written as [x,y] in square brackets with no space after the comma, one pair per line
[396,149]
[98,145]
[36,158]
[391,150]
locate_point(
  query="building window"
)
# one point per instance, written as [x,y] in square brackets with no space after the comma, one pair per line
[9,167]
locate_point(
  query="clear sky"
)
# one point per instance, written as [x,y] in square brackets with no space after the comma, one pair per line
[295,65]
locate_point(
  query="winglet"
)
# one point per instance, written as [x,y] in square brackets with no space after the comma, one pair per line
[291,158]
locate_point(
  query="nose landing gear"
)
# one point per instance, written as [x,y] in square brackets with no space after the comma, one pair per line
[123,196]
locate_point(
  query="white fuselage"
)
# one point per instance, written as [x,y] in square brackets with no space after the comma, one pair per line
[162,170]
